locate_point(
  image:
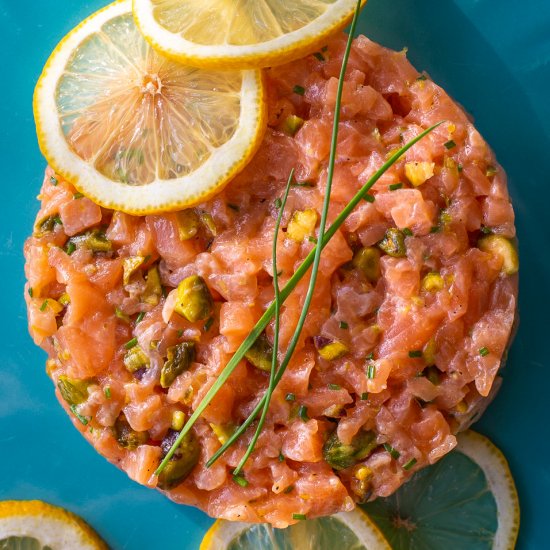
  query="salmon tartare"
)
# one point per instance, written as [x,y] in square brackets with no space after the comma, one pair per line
[412,314]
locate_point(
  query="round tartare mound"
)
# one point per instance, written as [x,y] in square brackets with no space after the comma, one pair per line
[408,327]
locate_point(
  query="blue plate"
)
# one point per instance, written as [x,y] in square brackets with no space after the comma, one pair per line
[493,57]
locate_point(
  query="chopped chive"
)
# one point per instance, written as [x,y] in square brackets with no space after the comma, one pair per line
[422,77]
[343,325]
[57,220]
[302,184]
[78,196]
[278,203]
[409,464]
[107,392]
[460,167]
[335,386]
[395,186]
[208,324]
[371,372]
[407,232]
[370,356]
[483,351]
[281,457]
[312,239]
[71,247]
[302,413]
[369,198]
[140,317]
[82,419]
[486,230]
[289,489]
[131,343]
[395,454]
[290,397]
[300,90]
[299,516]
[240,480]
[435,229]
[233,206]
[364,396]
[449,144]
[53,180]
[180,333]
[44,305]
[415,353]
[30,291]
[319,56]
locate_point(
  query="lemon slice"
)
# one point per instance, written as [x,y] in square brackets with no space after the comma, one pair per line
[346,530]
[36,525]
[240,34]
[135,131]
[466,501]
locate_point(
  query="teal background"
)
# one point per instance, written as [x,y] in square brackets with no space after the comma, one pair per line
[493,56]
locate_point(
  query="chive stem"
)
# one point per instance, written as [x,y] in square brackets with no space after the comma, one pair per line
[277,301]
[268,314]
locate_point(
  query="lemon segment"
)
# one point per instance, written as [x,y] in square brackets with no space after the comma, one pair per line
[135,131]
[38,525]
[349,530]
[240,34]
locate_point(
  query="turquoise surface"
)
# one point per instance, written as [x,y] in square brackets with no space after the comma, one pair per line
[492,56]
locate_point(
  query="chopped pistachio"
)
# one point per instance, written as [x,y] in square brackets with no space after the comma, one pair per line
[429,351]
[64,299]
[179,360]
[73,390]
[292,124]
[130,265]
[188,222]
[302,224]
[136,359]
[178,420]
[330,349]
[194,301]
[341,456]
[503,248]
[182,462]
[127,437]
[153,288]
[367,260]
[393,243]
[95,240]
[260,353]
[223,431]
[418,172]
[208,221]
[433,282]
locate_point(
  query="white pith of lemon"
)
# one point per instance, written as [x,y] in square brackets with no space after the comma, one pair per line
[135,131]
[355,528]
[240,34]
[50,526]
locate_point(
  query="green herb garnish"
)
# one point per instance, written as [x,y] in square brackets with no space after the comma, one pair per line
[300,90]
[484,352]
[78,196]
[395,186]
[371,371]
[364,396]
[82,419]
[70,248]
[343,325]
[299,516]
[44,305]
[319,56]
[334,387]
[324,238]
[409,464]
[107,392]
[53,180]
[131,343]
[30,291]
[140,317]
[240,480]
[449,144]
[395,454]
[302,413]
[369,198]
[290,397]
[208,324]
[415,353]
[406,231]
